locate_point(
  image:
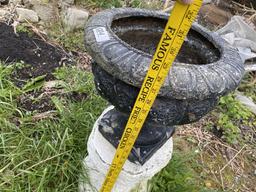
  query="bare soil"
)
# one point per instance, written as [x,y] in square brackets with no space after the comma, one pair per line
[40,58]
[40,101]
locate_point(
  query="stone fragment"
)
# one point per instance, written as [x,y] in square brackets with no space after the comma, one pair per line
[53,84]
[246,101]
[15,2]
[66,3]
[31,3]
[208,184]
[70,2]
[27,15]
[46,12]
[3,13]
[74,18]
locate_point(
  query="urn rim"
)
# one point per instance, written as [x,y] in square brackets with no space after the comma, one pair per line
[185,81]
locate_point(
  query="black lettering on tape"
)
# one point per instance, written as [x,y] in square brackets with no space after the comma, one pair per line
[146,89]
[135,114]
[127,134]
[171,30]
[161,53]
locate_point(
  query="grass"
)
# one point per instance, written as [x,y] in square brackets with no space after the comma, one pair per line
[45,155]
[248,86]
[70,41]
[178,176]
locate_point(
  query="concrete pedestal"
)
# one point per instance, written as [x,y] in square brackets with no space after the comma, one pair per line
[133,176]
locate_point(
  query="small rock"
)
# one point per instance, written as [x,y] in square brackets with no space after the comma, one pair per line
[27,14]
[208,184]
[74,18]
[197,151]
[41,25]
[246,101]
[53,84]
[66,3]
[15,2]
[31,3]
[46,12]
[70,2]
[3,12]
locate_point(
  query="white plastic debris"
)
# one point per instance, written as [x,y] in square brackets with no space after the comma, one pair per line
[241,35]
[246,101]
[207,1]
[250,67]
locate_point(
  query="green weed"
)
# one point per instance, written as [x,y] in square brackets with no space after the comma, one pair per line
[8,92]
[71,41]
[73,79]
[179,175]
[23,28]
[34,84]
[248,85]
[232,113]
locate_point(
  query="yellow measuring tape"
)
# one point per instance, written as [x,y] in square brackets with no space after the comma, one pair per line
[175,32]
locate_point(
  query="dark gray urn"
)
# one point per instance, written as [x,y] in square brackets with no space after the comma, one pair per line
[122,42]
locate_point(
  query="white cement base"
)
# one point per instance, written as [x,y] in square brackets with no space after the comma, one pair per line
[133,176]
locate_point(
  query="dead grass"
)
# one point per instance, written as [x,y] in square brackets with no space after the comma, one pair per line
[224,166]
[247,12]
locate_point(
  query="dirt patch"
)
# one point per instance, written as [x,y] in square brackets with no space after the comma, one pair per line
[36,101]
[41,102]
[40,57]
[227,167]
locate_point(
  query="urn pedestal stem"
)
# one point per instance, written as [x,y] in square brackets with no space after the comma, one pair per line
[134,176]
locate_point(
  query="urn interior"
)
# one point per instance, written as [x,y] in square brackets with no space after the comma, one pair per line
[144,33]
